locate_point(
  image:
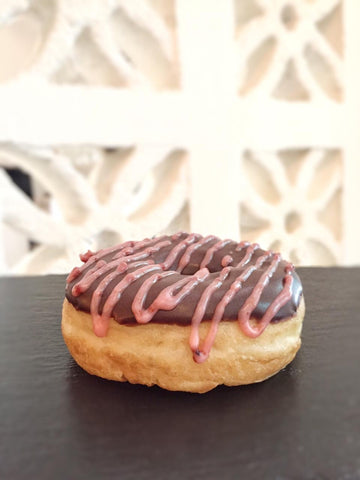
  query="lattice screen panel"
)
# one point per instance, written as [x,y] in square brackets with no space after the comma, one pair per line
[237,118]
[293,203]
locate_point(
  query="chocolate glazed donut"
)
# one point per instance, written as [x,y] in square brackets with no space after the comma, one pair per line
[186,279]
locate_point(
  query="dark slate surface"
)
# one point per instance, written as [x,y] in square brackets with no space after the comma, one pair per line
[58,422]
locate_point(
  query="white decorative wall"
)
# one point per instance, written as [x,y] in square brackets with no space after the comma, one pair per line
[135,117]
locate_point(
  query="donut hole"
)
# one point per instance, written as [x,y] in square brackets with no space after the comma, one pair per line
[190,269]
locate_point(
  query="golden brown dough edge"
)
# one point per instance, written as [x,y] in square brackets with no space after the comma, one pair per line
[159,354]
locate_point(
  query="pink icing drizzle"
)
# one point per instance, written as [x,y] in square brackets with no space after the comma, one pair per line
[174,252]
[185,259]
[167,299]
[248,255]
[273,308]
[253,299]
[101,322]
[210,253]
[201,307]
[137,257]
[84,257]
[200,355]
[226,260]
[75,272]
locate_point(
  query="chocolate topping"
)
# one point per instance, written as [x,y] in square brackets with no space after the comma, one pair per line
[185,279]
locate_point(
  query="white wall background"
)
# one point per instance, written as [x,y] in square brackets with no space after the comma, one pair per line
[134,117]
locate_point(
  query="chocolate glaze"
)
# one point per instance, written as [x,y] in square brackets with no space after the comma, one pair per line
[185,279]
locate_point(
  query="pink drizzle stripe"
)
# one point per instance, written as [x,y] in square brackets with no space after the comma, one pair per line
[248,254]
[200,355]
[133,247]
[282,298]
[101,322]
[241,245]
[91,275]
[145,315]
[226,260]
[210,253]
[253,299]
[201,307]
[167,299]
[100,289]
[95,257]
[75,272]
[107,251]
[185,259]
[128,255]
[84,257]
[174,252]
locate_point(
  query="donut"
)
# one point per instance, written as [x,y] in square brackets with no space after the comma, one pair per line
[185,312]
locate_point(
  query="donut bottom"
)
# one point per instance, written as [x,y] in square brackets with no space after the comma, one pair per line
[159,354]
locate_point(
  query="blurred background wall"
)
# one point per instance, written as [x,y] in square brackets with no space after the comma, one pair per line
[121,119]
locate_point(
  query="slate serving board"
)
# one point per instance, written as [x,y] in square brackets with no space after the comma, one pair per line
[58,422]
